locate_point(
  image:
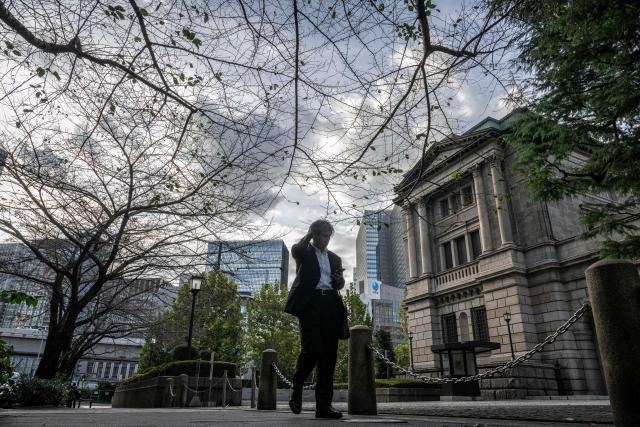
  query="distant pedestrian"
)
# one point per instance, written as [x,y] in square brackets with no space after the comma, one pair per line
[314,299]
[74,395]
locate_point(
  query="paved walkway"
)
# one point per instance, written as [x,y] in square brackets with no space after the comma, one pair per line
[436,414]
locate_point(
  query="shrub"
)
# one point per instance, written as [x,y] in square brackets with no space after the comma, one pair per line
[205,355]
[188,367]
[40,392]
[183,352]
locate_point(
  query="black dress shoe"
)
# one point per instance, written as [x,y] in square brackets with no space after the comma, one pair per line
[295,403]
[328,413]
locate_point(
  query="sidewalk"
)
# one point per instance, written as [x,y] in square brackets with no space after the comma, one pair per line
[560,411]
[437,414]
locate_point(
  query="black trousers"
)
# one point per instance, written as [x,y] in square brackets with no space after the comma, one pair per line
[319,345]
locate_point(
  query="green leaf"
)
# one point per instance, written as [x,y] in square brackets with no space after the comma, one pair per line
[40,71]
[206,17]
[56,75]
[144,12]
[8,44]
[17,297]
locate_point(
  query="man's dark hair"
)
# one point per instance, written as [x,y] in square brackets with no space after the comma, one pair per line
[319,226]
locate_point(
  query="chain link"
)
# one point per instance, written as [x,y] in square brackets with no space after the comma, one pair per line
[230,386]
[307,387]
[286,380]
[499,369]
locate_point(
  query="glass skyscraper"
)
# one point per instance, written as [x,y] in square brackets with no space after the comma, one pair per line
[380,268]
[250,264]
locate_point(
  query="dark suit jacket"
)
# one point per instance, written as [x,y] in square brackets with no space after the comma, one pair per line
[308,276]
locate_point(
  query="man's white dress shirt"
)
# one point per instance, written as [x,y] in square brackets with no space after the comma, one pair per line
[325,269]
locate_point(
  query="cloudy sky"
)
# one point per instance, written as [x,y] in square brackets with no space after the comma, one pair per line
[290,221]
[469,99]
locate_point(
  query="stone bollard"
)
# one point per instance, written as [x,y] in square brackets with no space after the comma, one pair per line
[614,292]
[253,386]
[169,397]
[362,382]
[224,388]
[181,390]
[268,389]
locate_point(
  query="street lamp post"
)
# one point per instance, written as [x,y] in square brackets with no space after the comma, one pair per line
[411,349]
[507,318]
[196,282]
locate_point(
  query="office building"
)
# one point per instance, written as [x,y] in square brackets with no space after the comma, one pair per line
[111,359]
[380,268]
[250,264]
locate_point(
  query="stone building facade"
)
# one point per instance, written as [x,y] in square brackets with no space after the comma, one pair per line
[478,248]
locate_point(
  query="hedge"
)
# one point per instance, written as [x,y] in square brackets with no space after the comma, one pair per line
[391,382]
[188,367]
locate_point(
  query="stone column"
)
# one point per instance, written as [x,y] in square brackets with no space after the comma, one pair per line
[502,205]
[411,240]
[425,247]
[481,205]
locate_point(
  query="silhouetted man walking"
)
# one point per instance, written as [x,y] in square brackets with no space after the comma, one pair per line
[314,299]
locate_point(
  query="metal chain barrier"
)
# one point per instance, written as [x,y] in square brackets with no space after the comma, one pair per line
[287,381]
[499,369]
[230,386]
[194,390]
[307,387]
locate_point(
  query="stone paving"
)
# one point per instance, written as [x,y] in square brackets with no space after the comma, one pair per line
[430,414]
[586,411]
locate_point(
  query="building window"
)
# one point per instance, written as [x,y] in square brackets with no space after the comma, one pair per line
[448,257]
[461,250]
[444,207]
[131,369]
[467,196]
[455,202]
[107,370]
[480,326]
[449,328]
[114,370]
[476,247]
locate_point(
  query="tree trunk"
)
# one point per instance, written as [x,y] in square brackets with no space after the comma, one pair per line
[58,342]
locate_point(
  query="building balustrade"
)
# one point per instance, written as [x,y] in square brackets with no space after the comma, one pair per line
[456,276]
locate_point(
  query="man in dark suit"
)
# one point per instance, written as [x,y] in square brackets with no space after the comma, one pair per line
[314,299]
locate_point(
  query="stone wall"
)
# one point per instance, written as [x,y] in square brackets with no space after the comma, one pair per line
[150,393]
[525,381]
[166,392]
